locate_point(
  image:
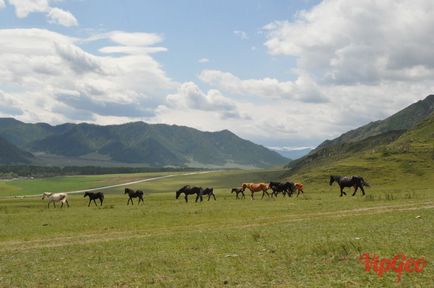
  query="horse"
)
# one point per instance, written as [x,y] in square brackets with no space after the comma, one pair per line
[284,188]
[55,197]
[207,191]
[188,190]
[238,191]
[134,194]
[299,187]
[353,181]
[255,187]
[94,195]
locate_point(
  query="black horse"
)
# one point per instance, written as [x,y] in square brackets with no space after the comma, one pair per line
[238,191]
[134,194]
[94,195]
[353,181]
[284,188]
[188,190]
[207,191]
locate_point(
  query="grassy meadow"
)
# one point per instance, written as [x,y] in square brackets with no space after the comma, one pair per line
[314,240]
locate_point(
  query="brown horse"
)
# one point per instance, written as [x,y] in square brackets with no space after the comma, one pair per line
[256,187]
[299,187]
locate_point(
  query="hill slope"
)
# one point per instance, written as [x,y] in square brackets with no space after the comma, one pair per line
[10,154]
[140,143]
[368,137]
[407,158]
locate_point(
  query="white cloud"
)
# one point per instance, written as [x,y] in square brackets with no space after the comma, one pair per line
[135,39]
[190,96]
[24,7]
[203,60]
[303,89]
[350,42]
[54,15]
[62,17]
[243,35]
[2,4]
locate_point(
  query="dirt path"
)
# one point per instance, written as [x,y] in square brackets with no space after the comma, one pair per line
[83,239]
[117,185]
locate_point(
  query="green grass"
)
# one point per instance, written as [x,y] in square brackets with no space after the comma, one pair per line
[311,241]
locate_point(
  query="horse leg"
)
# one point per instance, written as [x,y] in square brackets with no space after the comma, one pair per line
[213,195]
[89,203]
[252,195]
[101,199]
[61,206]
[355,189]
[186,198]
[363,190]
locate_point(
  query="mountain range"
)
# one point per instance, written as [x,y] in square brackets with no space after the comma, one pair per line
[131,144]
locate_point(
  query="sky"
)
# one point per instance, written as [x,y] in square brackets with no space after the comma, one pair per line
[283,74]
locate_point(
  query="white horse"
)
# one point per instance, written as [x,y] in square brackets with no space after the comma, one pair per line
[55,197]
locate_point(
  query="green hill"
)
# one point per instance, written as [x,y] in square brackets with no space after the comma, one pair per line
[367,138]
[139,143]
[406,158]
[10,154]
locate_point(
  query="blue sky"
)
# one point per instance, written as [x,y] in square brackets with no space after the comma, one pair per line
[285,74]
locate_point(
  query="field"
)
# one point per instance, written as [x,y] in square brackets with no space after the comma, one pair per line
[315,240]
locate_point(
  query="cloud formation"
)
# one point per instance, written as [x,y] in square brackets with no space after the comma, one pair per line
[303,89]
[52,71]
[190,96]
[359,42]
[54,15]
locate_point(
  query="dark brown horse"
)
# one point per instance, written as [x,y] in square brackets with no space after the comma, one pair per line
[238,191]
[207,191]
[353,181]
[94,195]
[284,188]
[134,194]
[188,190]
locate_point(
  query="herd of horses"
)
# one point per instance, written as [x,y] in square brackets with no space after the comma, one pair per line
[286,188]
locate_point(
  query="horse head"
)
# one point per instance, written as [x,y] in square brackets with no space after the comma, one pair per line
[46,195]
[86,194]
[178,192]
[332,179]
[244,186]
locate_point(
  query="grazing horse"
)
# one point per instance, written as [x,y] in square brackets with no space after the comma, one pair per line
[353,181]
[134,194]
[55,197]
[255,187]
[207,191]
[299,188]
[238,191]
[284,188]
[94,195]
[188,190]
